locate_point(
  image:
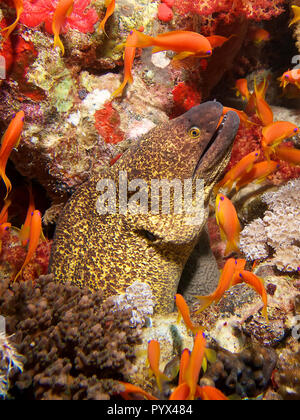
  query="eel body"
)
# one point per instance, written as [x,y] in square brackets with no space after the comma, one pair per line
[106,238]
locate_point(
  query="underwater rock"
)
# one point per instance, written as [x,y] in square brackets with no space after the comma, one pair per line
[278,229]
[10,363]
[287,374]
[201,274]
[245,374]
[72,341]
[237,316]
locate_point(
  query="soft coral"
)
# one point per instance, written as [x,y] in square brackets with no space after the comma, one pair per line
[39,11]
[226,11]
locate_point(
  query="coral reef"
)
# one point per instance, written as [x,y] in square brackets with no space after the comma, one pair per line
[226,12]
[246,374]
[279,229]
[74,344]
[10,363]
[139,299]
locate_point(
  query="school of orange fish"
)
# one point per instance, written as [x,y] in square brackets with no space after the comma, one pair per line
[184,44]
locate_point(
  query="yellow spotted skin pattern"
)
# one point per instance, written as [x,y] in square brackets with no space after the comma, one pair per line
[111,251]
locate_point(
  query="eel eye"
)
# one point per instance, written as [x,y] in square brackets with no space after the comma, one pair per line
[194,132]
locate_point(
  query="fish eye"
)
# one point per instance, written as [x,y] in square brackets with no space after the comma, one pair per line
[194,132]
[296,130]
[287,76]
[209,52]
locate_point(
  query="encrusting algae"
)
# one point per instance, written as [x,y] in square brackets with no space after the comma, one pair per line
[157,146]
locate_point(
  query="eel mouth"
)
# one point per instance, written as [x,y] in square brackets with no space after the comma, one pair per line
[219,144]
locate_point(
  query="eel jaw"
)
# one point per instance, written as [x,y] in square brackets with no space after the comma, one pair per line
[219,146]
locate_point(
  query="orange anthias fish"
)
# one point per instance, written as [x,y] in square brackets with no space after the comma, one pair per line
[4,212]
[258,173]
[263,110]
[228,222]
[241,86]
[289,154]
[296,18]
[258,285]
[19,9]
[275,133]
[243,167]
[154,359]
[25,229]
[193,369]
[63,10]
[10,140]
[227,279]
[110,8]
[3,228]
[242,116]
[217,41]
[185,43]
[259,35]
[129,55]
[290,77]
[184,312]
[34,238]
[210,393]
[131,390]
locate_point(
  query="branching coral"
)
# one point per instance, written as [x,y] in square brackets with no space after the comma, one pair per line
[10,361]
[36,12]
[279,229]
[74,344]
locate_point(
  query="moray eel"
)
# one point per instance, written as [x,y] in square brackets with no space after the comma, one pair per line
[111,251]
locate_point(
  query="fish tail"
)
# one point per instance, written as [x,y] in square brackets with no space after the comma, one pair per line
[119,91]
[265,313]
[231,247]
[296,10]
[6,182]
[142,40]
[205,302]
[58,43]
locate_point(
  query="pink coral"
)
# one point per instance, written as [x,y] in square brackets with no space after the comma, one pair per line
[38,11]
[252,9]
[226,11]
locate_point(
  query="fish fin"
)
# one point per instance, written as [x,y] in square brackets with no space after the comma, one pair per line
[142,40]
[296,10]
[211,355]
[183,55]
[158,49]
[204,364]
[24,234]
[70,10]
[264,313]
[58,43]
[205,302]
[119,91]
[7,183]
[9,29]
[231,247]
[160,378]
